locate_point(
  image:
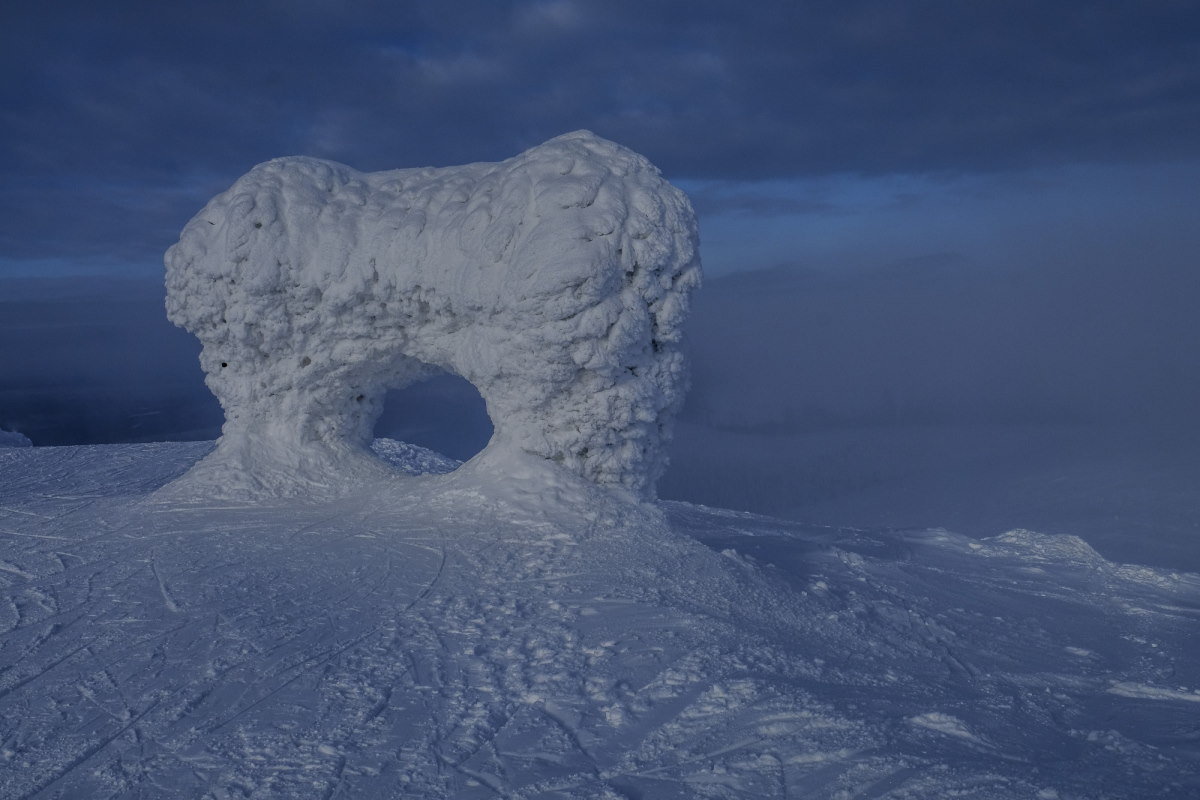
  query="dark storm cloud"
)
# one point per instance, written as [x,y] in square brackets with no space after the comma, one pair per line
[119,120]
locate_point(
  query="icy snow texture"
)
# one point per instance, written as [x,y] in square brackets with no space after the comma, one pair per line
[556,282]
[453,638]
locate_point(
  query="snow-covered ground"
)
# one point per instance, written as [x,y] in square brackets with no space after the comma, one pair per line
[460,637]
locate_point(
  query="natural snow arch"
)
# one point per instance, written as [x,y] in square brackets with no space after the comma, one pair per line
[556,282]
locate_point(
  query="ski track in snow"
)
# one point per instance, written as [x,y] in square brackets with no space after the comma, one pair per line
[452,643]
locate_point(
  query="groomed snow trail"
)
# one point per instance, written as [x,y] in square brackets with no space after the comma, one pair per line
[444,638]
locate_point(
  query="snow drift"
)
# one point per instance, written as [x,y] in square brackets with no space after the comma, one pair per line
[14,439]
[556,282]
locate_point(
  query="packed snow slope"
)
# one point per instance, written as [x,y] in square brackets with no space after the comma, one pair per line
[458,637]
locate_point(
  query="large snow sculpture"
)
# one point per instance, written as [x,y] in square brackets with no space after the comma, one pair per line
[555,282]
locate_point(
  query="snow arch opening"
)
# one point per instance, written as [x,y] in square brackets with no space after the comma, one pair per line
[444,413]
[556,282]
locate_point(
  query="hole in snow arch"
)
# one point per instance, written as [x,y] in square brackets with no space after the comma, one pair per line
[444,413]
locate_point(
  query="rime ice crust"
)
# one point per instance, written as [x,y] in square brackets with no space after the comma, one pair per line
[556,282]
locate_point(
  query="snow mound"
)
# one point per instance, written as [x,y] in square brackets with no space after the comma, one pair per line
[556,282]
[413,459]
[14,439]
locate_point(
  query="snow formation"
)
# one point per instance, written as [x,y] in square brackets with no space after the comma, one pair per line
[556,282]
[14,439]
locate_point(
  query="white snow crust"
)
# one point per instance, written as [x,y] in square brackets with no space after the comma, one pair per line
[556,282]
[462,636]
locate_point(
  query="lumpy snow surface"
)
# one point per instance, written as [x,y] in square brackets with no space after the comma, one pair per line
[460,636]
[556,282]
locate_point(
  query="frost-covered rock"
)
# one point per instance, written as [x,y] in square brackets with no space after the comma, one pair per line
[556,282]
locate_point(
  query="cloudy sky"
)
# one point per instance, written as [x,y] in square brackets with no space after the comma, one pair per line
[120,119]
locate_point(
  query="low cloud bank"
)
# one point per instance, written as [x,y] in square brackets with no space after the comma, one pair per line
[1056,397]
[935,340]
[94,360]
